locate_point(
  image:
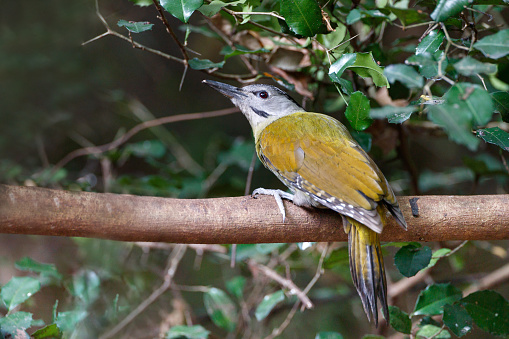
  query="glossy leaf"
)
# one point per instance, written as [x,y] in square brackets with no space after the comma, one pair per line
[215,6]
[489,310]
[187,332]
[49,331]
[67,321]
[495,135]
[28,264]
[366,66]
[430,43]
[303,17]
[328,335]
[457,123]
[229,52]
[501,102]
[457,319]
[405,74]
[357,112]
[220,309]
[407,16]
[364,139]
[410,259]
[181,9]
[494,46]
[393,114]
[469,66]
[11,323]
[448,8]
[428,63]
[18,290]
[267,304]
[400,320]
[340,65]
[434,297]
[432,331]
[472,99]
[236,286]
[199,64]
[437,255]
[135,27]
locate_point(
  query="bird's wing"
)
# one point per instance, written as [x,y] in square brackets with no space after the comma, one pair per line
[315,154]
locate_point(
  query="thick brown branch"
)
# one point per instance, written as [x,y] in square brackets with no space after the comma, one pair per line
[32,210]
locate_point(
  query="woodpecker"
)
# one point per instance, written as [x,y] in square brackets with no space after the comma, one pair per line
[318,160]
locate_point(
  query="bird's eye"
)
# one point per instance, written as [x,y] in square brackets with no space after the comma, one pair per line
[263,94]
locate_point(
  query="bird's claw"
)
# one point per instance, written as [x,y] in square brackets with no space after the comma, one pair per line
[278,195]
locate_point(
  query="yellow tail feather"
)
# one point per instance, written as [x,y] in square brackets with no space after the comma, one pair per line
[367,267]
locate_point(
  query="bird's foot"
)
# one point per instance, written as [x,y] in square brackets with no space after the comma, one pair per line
[279,195]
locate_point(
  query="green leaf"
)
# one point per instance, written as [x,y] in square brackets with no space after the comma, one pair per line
[67,321]
[489,310]
[236,286]
[181,9]
[494,46]
[15,321]
[86,286]
[428,63]
[357,111]
[405,74]
[437,255]
[448,8]
[220,309]
[432,331]
[472,99]
[353,16]
[303,17]
[49,331]
[215,6]
[135,27]
[394,114]
[408,16]
[366,67]
[268,303]
[457,124]
[142,3]
[199,64]
[501,102]
[469,66]
[363,139]
[457,319]
[410,259]
[187,332]
[340,65]
[18,290]
[28,264]
[430,43]
[328,335]
[400,321]
[434,297]
[496,136]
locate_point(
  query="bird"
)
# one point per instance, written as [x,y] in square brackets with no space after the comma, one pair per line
[315,156]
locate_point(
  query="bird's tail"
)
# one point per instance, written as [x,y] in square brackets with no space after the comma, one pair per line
[367,267]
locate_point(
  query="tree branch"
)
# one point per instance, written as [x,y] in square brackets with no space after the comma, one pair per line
[42,211]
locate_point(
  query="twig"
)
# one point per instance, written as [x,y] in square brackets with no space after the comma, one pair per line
[138,128]
[173,262]
[170,31]
[285,323]
[490,280]
[135,44]
[286,283]
[274,14]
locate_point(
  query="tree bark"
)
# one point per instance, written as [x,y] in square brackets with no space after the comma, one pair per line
[42,211]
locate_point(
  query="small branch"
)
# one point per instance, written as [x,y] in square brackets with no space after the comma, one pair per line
[170,31]
[173,261]
[490,281]
[285,283]
[274,14]
[138,128]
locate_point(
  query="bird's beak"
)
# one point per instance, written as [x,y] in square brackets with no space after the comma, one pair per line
[229,91]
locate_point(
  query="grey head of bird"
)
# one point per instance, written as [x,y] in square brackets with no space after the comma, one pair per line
[261,104]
